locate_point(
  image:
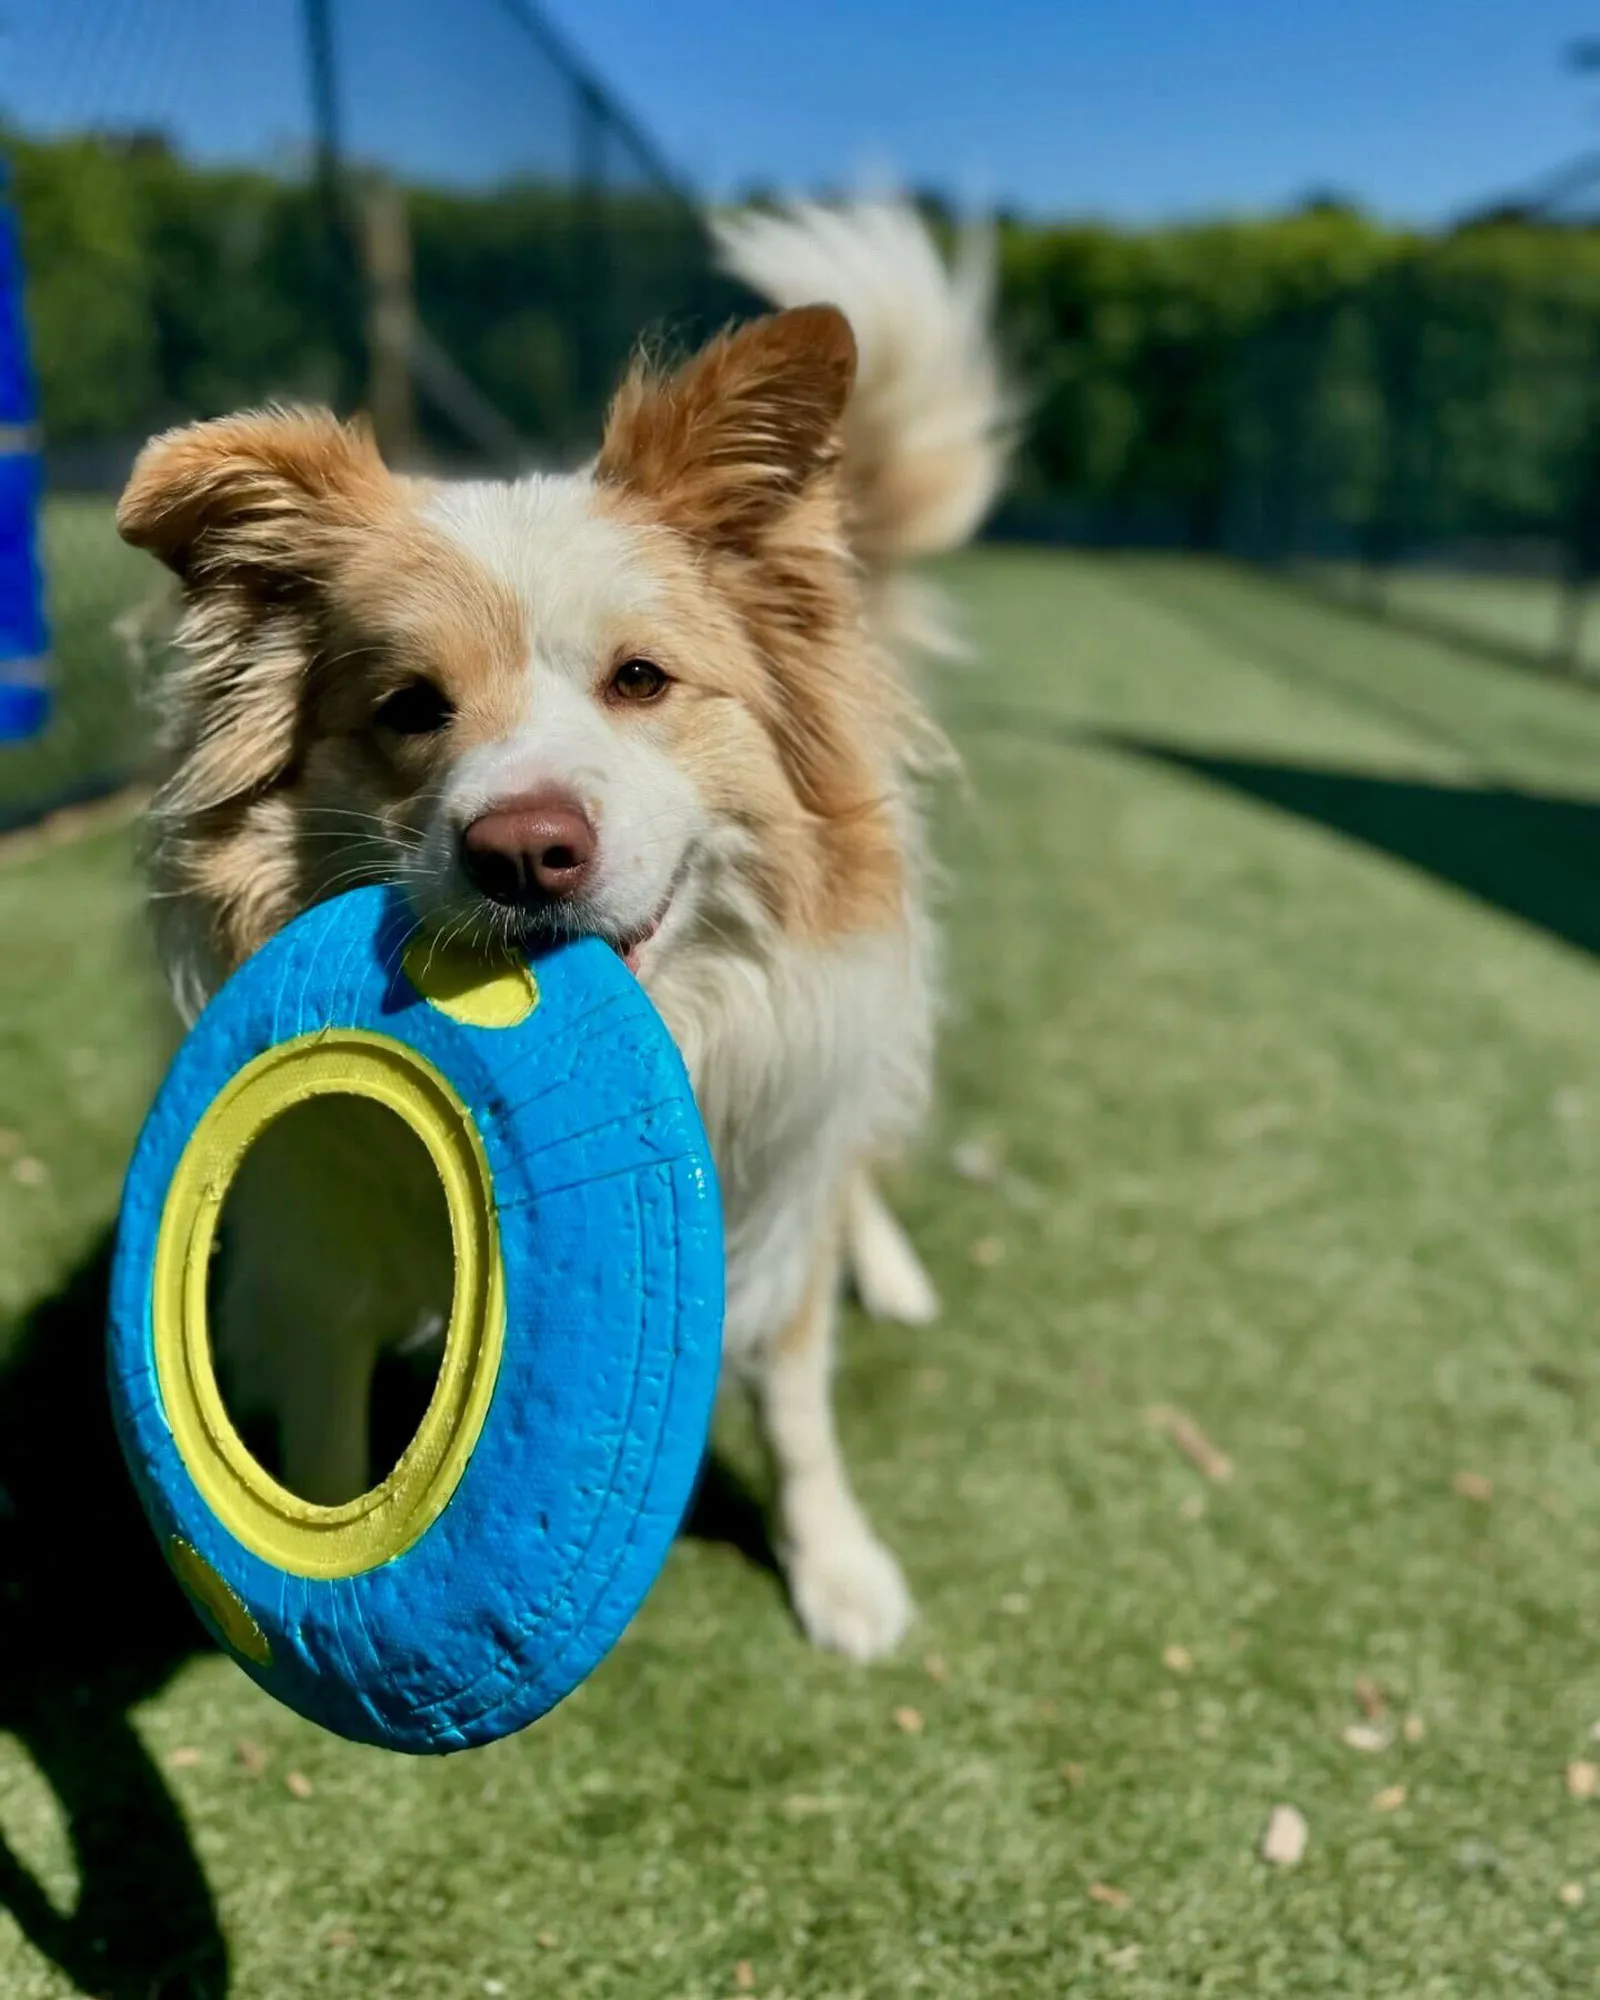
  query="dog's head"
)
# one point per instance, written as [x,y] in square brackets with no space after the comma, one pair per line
[638,701]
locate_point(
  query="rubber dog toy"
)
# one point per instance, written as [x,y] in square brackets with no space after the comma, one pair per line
[500,1560]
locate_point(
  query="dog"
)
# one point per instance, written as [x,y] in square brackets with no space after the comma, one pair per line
[666,700]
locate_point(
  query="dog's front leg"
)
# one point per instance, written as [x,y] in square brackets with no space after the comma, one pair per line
[847,1589]
[288,1355]
[339,1248]
[323,1418]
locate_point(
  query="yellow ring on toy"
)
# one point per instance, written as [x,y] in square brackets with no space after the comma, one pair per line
[278,1526]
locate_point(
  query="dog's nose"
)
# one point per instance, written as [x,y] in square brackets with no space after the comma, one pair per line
[530,851]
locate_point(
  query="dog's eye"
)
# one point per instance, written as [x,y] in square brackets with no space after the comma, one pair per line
[638,680]
[417,709]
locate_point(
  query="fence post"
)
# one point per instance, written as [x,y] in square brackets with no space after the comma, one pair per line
[391,314]
[1396,519]
[24,639]
[341,284]
[591,275]
[1581,553]
[1283,472]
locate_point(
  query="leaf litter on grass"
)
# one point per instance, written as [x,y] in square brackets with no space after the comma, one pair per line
[1191,1440]
[1284,1842]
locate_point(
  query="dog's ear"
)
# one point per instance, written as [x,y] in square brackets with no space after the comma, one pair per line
[250,513]
[254,514]
[252,493]
[723,447]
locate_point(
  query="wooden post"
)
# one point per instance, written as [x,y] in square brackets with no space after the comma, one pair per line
[337,254]
[391,316]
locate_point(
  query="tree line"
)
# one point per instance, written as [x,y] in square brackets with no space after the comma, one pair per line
[1258,383]
[158,290]
[1268,383]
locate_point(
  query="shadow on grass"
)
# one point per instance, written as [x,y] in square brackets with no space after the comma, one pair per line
[725,1510]
[1534,855]
[93,1624]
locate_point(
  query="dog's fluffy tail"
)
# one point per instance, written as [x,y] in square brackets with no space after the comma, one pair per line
[928,429]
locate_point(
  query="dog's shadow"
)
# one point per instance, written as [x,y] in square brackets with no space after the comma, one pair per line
[91,1625]
[725,1510]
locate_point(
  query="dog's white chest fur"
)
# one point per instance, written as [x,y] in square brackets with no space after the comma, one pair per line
[805,1063]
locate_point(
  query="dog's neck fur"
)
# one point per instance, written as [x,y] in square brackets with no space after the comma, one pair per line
[807,1060]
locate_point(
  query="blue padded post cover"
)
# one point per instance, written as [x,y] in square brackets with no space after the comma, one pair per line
[24,643]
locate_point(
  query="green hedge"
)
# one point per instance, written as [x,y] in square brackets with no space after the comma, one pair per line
[1267,384]
[157,291]
[1272,379]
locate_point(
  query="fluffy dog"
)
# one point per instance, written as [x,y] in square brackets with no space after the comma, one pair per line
[664,700]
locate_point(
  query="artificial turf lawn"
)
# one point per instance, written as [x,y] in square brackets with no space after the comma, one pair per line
[1299,1135]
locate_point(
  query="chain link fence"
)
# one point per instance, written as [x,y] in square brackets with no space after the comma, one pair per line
[1426,443]
[433,213]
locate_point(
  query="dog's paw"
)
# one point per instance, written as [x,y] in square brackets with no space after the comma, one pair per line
[850,1596]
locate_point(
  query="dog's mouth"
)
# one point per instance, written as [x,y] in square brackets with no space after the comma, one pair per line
[628,948]
[557,926]
[631,944]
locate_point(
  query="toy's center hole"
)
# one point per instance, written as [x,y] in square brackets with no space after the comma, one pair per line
[329,1294]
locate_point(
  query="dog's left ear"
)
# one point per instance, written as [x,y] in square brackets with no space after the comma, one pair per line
[251,494]
[725,445]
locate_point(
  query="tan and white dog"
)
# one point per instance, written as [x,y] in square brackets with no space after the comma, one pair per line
[664,700]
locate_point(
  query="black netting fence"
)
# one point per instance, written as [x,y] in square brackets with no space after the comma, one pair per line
[1426,442]
[1412,420]
[430,212]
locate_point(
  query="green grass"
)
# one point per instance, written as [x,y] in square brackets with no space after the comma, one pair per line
[1518,615]
[1301,1135]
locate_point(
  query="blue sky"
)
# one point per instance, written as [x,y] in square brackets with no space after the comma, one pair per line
[1135,109]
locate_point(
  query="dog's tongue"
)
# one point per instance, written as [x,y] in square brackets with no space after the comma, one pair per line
[632,949]
[627,949]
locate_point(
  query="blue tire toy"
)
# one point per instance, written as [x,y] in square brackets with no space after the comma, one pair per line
[501,1559]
